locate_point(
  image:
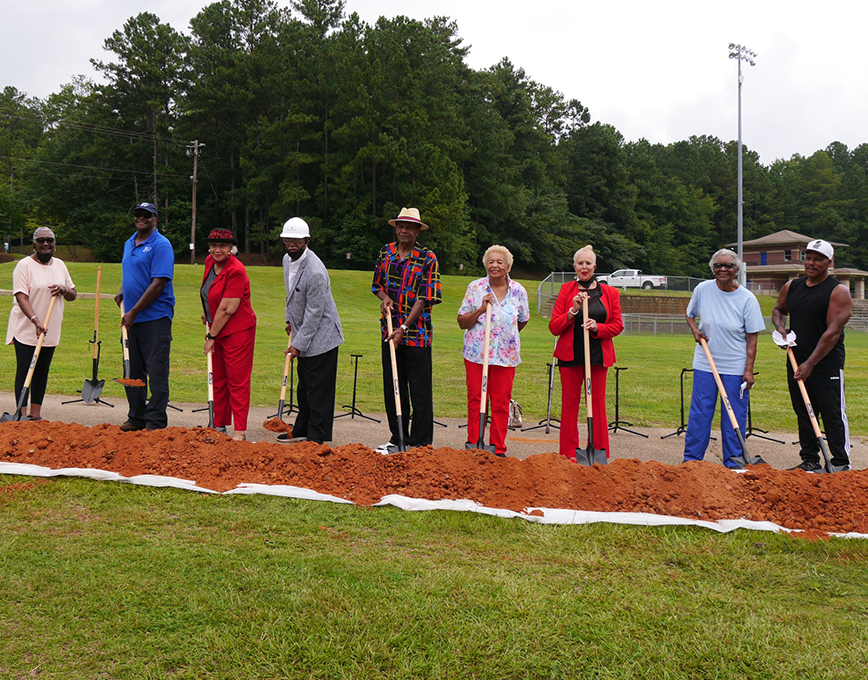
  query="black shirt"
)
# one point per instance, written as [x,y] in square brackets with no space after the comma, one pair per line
[598,313]
[808,309]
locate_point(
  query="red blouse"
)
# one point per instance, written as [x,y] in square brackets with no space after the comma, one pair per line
[562,323]
[231,282]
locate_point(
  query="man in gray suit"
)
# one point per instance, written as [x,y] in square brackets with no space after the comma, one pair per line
[312,320]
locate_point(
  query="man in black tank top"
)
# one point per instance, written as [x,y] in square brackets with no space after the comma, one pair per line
[818,306]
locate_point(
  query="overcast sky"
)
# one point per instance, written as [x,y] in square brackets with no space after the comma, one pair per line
[657,70]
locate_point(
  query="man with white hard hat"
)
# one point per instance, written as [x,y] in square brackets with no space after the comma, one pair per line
[313,322]
[818,306]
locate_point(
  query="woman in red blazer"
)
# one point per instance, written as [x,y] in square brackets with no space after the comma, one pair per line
[604,323]
[226,301]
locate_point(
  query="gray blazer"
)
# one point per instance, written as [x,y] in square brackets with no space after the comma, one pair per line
[310,308]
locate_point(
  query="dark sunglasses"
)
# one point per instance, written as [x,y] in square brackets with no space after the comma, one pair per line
[143,213]
[721,265]
[44,240]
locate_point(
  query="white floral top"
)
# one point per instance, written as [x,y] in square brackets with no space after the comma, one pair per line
[505,347]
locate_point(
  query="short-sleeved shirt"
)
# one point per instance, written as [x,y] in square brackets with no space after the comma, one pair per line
[405,281]
[505,346]
[726,318]
[152,258]
[33,278]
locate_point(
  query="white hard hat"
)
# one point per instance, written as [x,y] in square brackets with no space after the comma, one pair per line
[295,227]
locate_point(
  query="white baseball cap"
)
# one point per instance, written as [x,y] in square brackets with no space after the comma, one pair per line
[823,247]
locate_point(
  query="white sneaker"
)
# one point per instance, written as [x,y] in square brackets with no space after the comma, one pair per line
[387,448]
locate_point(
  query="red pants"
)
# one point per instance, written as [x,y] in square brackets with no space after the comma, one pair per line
[232,364]
[572,387]
[499,390]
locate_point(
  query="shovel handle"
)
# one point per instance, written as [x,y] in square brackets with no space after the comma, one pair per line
[125,342]
[804,390]
[285,373]
[394,368]
[39,342]
[587,343]
[96,313]
[719,382]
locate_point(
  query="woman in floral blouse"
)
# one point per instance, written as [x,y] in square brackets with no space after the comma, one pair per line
[510,313]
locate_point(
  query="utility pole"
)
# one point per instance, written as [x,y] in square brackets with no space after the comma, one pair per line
[741,53]
[195,150]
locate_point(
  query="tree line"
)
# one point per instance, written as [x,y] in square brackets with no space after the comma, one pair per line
[310,111]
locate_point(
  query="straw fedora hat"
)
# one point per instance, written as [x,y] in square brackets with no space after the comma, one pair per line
[409,215]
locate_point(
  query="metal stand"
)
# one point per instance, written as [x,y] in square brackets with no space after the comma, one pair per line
[683,427]
[751,431]
[616,424]
[353,410]
[549,421]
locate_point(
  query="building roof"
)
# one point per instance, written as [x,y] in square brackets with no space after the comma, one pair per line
[784,237]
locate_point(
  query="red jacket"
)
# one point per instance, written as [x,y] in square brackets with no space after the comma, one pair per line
[562,323]
[231,282]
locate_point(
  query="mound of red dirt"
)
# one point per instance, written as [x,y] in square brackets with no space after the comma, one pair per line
[793,499]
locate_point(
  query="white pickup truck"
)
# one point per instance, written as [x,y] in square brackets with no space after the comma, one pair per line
[632,278]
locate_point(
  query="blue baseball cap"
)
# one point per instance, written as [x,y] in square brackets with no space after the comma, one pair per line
[150,207]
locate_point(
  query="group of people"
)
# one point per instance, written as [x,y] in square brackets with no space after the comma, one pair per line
[406,280]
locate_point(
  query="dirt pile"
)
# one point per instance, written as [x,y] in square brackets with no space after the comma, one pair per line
[825,503]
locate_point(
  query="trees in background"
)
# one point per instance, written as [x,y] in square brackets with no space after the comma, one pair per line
[311,111]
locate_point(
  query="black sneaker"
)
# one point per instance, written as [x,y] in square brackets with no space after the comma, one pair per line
[808,466]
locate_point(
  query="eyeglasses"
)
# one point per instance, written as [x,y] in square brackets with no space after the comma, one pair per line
[143,213]
[40,241]
[724,265]
[294,241]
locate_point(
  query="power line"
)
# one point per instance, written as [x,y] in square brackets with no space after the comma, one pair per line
[147,173]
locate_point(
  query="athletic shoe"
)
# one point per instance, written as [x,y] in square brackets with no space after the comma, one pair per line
[386,448]
[808,466]
[130,426]
[283,437]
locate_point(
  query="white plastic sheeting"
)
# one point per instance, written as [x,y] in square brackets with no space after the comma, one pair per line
[540,515]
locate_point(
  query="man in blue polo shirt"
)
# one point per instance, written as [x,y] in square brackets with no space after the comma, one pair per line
[149,305]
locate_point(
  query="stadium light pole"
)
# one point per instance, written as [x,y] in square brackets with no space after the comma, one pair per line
[741,53]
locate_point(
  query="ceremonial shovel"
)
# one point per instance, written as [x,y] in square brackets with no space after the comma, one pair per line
[483,397]
[745,458]
[590,455]
[6,417]
[789,342]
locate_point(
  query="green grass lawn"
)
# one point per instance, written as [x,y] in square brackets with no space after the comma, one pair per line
[101,580]
[650,393]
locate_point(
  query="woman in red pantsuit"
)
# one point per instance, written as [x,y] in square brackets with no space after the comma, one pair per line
[604,323]
[226,301]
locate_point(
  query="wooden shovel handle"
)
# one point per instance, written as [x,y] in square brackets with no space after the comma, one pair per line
[817,431]
[719,382]
[96,314]
[394,367]
[286,371]
[587,343]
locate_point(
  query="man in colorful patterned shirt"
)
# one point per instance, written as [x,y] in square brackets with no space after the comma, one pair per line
[407,281]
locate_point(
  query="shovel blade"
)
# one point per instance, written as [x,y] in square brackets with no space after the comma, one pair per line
[480,446]
[91,390]
[591,456]
[7,418]
[746,459]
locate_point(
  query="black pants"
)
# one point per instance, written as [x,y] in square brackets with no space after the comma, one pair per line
[414,382]
[150,344]
[826,392]
[23,357]
[317,377]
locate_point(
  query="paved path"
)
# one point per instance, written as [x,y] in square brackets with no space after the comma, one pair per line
[348,430]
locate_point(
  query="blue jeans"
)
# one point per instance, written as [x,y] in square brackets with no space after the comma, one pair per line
[150,342]
[702,406]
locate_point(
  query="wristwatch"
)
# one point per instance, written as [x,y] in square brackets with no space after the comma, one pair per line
[208,336]
[405,327]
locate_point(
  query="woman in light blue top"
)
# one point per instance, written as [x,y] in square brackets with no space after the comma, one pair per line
[730,321]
